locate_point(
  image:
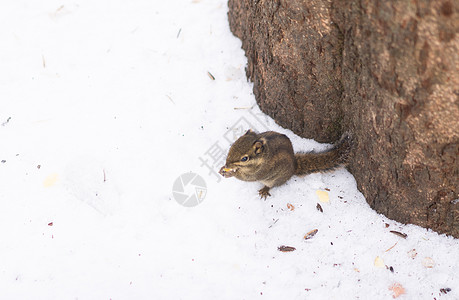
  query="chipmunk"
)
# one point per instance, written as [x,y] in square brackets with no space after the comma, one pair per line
[268,157]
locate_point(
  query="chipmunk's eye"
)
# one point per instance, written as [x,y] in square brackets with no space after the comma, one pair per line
[245,158]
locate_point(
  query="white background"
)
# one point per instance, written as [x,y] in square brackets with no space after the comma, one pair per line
[103,104]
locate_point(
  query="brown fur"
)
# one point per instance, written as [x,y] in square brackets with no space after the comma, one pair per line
[324,161]
[268,157]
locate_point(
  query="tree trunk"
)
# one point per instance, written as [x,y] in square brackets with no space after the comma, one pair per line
[387,71]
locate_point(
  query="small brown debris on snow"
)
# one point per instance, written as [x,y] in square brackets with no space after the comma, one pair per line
[397,290]
[210,75]
[310,234]
[319,207]
[391,247]
[290,206]
[286,249]
[400,234]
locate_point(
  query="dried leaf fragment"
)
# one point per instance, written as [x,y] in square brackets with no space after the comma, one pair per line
[400,234]
[319,208]
[323,196]
[290,206]
[286,248]
[310,234]
[397,290]
[379,262]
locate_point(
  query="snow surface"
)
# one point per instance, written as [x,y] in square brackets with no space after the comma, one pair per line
[103,105]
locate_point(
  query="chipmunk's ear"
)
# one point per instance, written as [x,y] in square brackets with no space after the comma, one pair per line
[249,131]
[258,146]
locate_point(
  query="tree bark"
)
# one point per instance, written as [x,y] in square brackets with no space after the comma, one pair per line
[387,71]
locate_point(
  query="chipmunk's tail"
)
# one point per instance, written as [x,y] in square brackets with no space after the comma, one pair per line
[312,162]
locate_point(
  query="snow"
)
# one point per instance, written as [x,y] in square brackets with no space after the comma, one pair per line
[104,104]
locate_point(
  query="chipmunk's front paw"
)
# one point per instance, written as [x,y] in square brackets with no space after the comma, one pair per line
[264,192]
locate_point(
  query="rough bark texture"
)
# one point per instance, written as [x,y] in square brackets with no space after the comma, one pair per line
[387,71]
